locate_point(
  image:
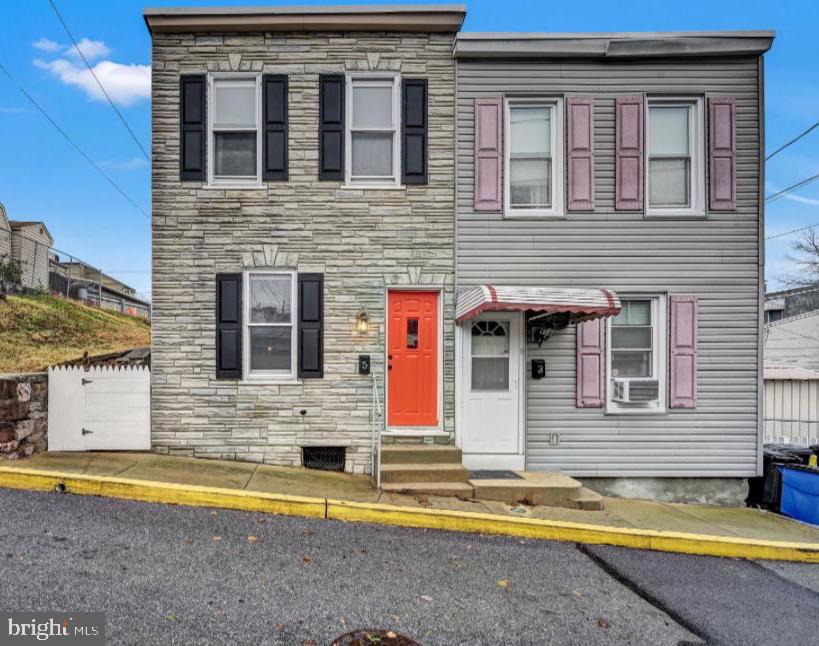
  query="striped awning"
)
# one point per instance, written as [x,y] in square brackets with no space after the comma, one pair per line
[581,304]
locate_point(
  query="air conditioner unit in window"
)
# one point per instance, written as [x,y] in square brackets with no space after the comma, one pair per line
[635,391]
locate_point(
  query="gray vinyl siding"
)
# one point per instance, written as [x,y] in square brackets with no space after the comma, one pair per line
[716,258]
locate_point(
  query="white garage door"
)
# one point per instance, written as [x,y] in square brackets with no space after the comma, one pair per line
[101,409]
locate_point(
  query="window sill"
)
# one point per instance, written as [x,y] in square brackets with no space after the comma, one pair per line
[373,187]
[234,187]
[635,411]
[536,215]
[270,382]
[679,214]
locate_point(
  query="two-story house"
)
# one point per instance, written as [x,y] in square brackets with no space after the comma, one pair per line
[303,229]
[613,181]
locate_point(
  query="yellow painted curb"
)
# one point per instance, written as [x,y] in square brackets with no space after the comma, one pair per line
[164,492]
[444,519]
[556,530]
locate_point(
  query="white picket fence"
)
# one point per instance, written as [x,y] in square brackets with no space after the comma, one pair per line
[100,409]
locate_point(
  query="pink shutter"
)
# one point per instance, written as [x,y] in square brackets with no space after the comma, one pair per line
[488,115]
[580,137]
[722,153]
[591,347]
[683,368]
[629,153]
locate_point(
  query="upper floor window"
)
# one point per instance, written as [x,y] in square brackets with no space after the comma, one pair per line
[675,175]
[373,155]
[533,154]
[234,140]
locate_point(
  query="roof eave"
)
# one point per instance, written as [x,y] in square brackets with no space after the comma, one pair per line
[396,18]
[613,46]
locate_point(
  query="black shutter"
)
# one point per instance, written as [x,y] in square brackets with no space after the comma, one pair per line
[311,326]
[331,126]
[192,127]
[414,131]
[275,127]
[228,326]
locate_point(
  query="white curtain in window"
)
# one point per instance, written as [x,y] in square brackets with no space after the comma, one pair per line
[234,104]
[372,154]
[372,106]
[531,131]
[668,130]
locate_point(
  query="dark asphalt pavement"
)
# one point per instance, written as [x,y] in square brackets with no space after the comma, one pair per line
[179,575]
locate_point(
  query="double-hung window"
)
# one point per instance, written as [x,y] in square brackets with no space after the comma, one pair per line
[533,157]
[636,356]
[373,156]
[234,141]
[270,333]
[675,175]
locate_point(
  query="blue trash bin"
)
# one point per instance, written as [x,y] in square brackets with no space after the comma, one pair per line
[800,493]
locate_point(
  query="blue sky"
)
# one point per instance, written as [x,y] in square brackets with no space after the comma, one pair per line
[42,177]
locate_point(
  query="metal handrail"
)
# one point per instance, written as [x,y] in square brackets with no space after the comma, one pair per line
[377,414]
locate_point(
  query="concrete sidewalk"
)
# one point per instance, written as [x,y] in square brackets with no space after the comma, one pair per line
[355,495]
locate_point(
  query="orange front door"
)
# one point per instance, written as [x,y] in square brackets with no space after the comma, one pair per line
[412,358]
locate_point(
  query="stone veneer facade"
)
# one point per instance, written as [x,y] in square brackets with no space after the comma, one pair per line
[361,240]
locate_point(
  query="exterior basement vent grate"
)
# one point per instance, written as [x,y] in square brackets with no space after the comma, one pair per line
[324,458]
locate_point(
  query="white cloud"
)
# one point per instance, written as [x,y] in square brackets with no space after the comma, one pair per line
[800,199]
[134,163]
[125,84]
[91,49]
[46,45]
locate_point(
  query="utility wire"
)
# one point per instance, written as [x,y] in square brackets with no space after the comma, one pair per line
[792,141]
[73,143]
[787,233]
[96,78]
[791,188]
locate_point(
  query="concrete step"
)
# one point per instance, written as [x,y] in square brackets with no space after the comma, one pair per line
[434,472]
[459,489]
[550,489]
[588,500]
[420,454]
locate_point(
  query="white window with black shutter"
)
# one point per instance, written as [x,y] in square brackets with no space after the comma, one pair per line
[269,326]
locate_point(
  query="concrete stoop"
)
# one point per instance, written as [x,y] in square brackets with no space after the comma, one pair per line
[436,470]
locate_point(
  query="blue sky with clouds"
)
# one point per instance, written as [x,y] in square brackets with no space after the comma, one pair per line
[43,177]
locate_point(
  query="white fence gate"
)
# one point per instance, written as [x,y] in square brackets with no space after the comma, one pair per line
[101,409]
[791,406]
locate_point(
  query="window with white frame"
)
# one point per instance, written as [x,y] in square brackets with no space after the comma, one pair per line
[235,129]
[675,175]
[373,155]
[533,157]
[270,332]
[636,361]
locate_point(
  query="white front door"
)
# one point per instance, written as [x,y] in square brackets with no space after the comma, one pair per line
[490,392]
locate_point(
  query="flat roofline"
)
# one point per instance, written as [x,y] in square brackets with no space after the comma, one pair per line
[401,18]
[613,44]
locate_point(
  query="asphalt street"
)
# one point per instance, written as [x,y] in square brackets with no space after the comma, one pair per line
[179,575]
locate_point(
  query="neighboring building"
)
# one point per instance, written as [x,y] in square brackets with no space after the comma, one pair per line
[791,302]
[630,162]
[791,405]
[30,245]
[793,342]
[5,235]
[303,185]
[80,281]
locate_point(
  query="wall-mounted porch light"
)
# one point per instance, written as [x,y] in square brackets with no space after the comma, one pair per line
[362,322]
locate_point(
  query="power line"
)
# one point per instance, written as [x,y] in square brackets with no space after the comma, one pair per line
[787,233]
[792,141]
[73,143]
[96,78]
[791,188]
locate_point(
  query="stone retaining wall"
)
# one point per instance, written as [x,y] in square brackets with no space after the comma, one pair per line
[23,414]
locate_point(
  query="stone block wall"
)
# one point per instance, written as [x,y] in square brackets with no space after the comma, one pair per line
[23,414]
[362,240]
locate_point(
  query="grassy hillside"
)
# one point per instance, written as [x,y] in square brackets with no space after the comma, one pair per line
[37,331]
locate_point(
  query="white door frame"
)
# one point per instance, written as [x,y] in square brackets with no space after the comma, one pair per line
[462,379]
[414,431]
